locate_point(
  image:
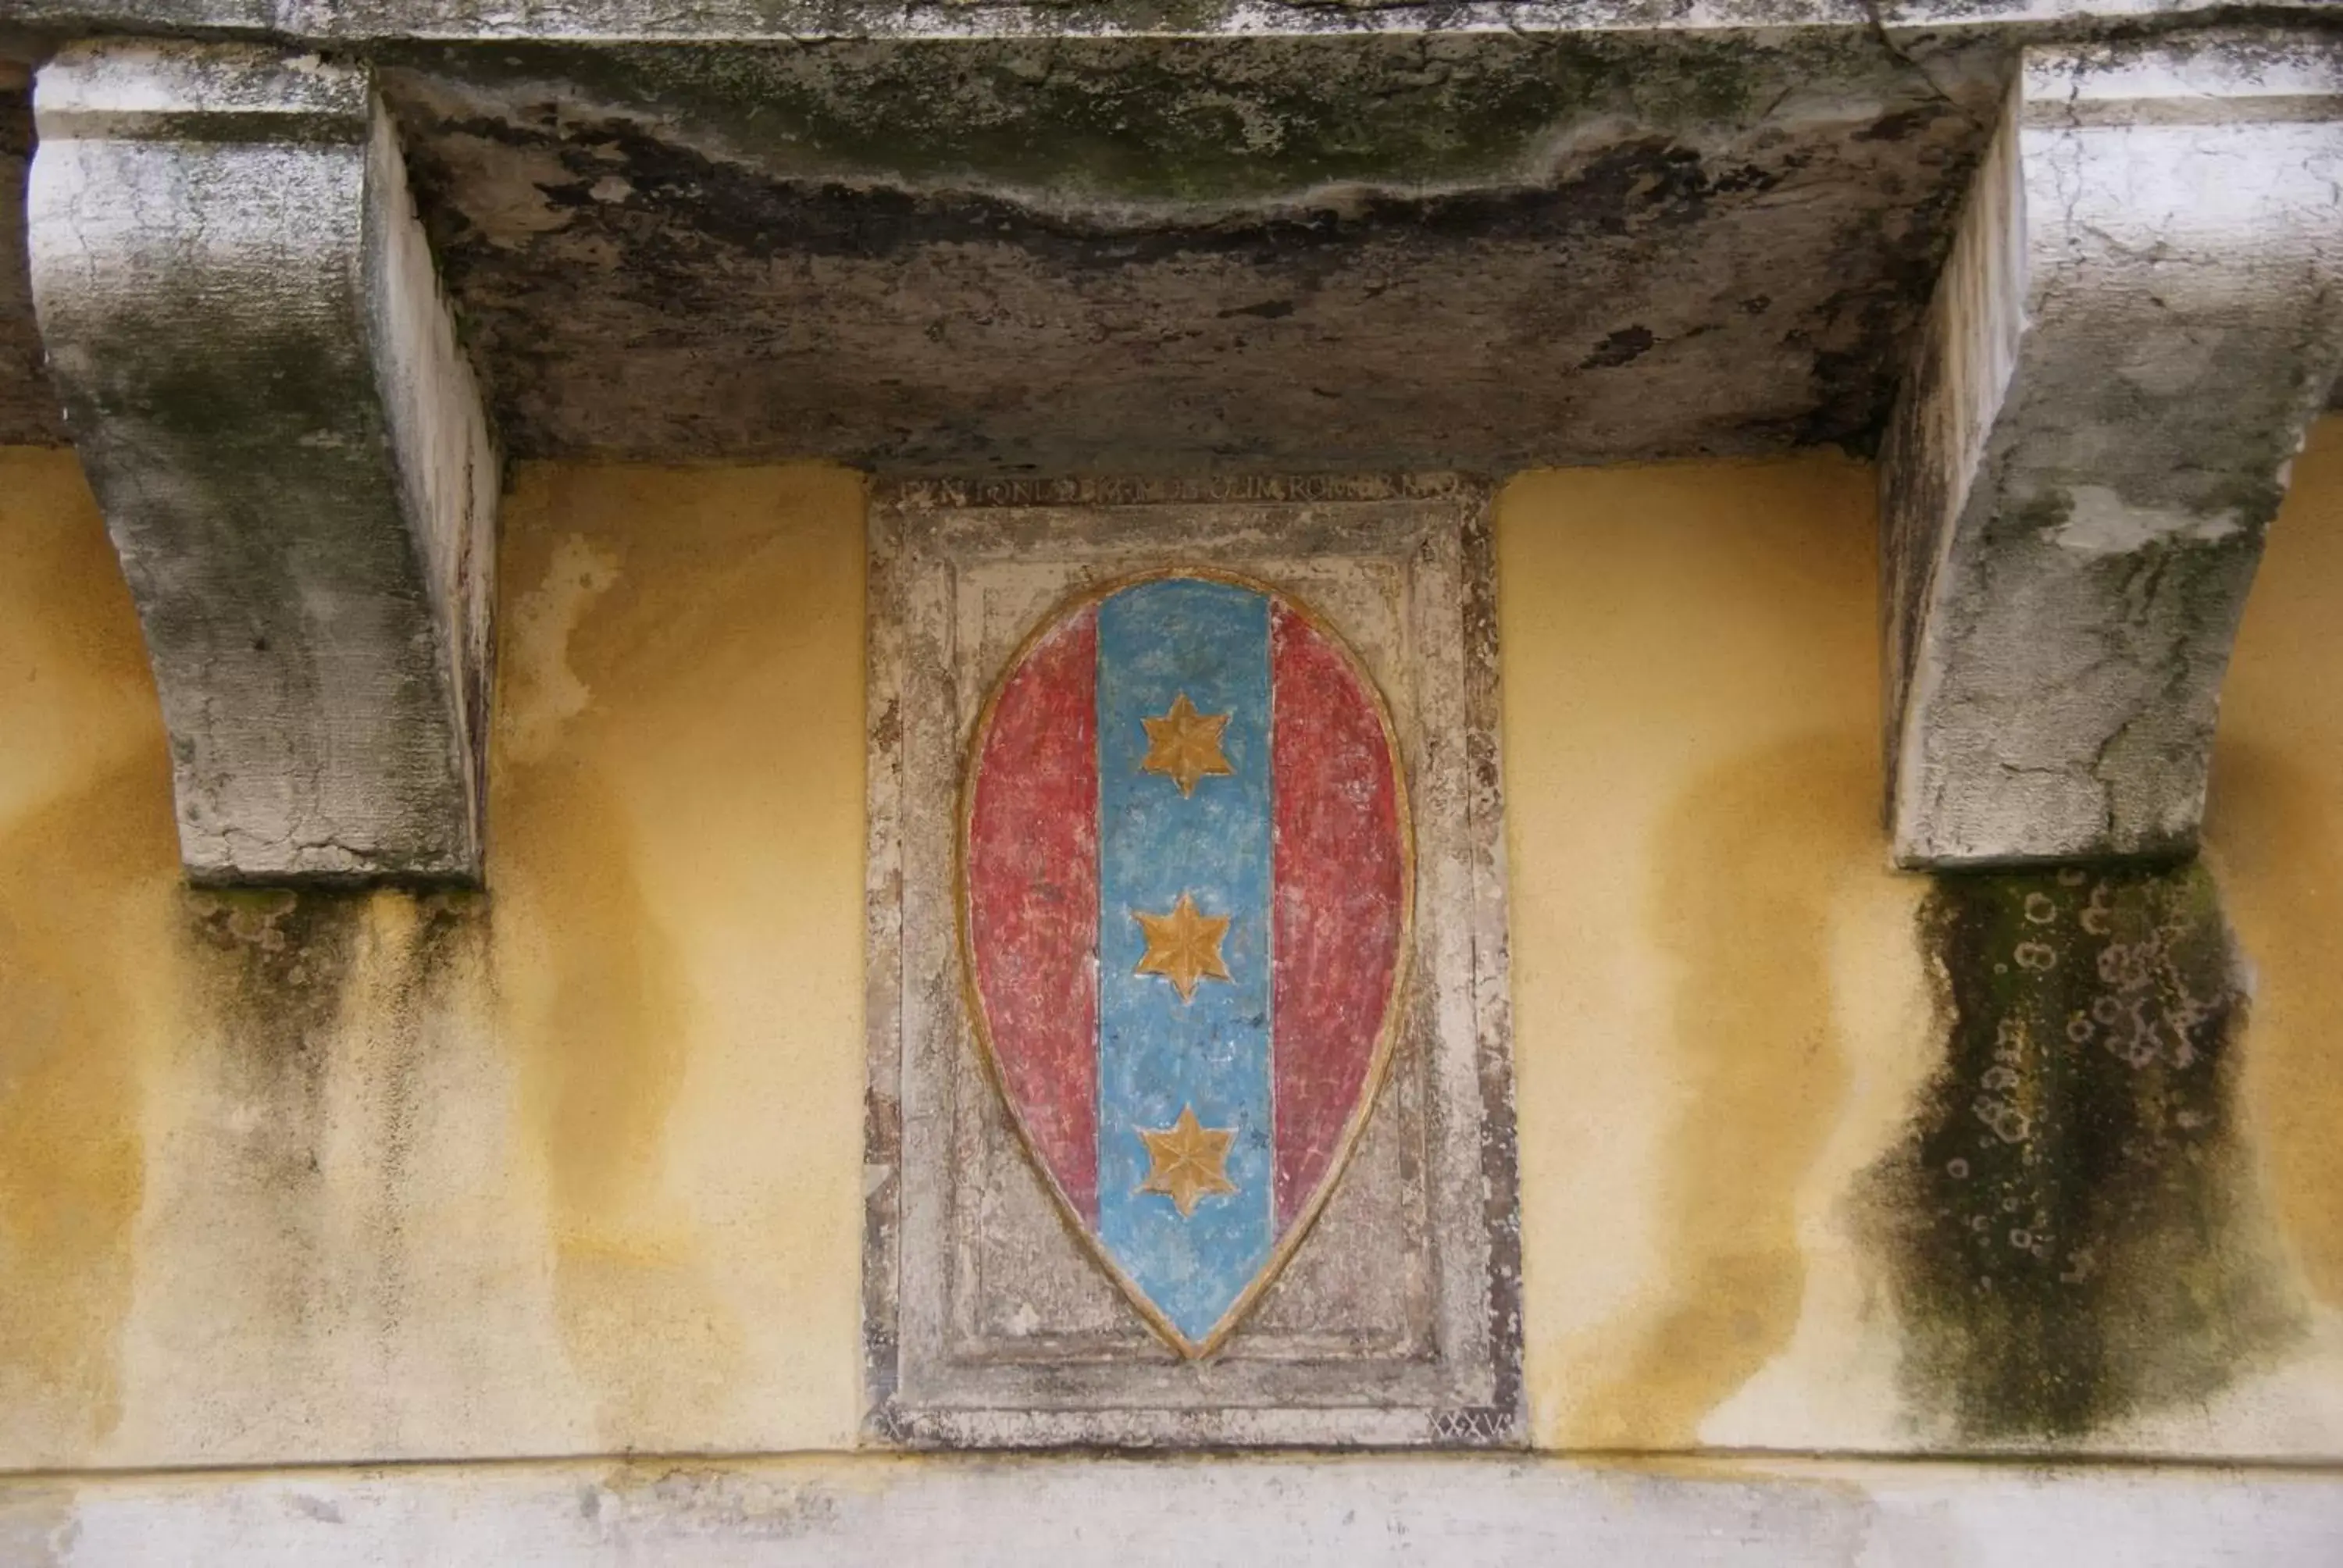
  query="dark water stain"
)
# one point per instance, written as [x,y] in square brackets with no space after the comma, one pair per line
[1151,119]
[2071,1226]
[1622,347]
[436,964]
[269,971]
[1138,288]
[274,964]
[320,1022]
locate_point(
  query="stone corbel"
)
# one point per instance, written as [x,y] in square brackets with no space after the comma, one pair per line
[2142,312]
[263,380]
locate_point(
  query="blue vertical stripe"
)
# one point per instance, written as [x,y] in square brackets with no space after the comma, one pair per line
[1210,642]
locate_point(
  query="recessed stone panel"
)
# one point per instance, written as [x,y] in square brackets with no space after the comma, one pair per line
[1317,1243]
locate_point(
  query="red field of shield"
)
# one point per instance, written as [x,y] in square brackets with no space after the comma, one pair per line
[1339,910]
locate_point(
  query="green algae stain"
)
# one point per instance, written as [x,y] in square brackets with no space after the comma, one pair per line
[2070,1224]
[1077,121]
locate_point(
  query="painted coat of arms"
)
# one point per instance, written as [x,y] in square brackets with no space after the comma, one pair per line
[1186,888]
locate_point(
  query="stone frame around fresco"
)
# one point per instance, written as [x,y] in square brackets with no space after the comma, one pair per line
[1428,1354]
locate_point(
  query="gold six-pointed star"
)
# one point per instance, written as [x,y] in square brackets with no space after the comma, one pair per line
[1184,947]
[1186,1160]
[1186,745]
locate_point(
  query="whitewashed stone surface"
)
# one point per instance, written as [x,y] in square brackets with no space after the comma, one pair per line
[2142,313]
[241,314]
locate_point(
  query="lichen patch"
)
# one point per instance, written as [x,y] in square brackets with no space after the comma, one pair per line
[2071,1231]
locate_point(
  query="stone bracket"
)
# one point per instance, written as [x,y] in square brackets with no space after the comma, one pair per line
[242,320]
[2142,312]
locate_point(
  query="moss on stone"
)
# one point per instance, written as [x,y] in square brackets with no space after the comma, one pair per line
[2068,1224]
[1158,120]
[273,966]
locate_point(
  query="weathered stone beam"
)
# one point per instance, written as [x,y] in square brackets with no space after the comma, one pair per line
[2142,312]
[732,21]
[242,318]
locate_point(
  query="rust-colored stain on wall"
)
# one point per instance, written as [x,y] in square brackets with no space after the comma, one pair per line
[2273,832]
[671,674]
[570,1166]
[72,1159]
[87,848]
[2276,838]
[1747,867]
[1693,788]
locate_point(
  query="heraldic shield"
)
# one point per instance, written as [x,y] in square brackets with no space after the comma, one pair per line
[1186,890]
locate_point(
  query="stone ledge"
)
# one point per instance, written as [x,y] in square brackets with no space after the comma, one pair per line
[1304,1511]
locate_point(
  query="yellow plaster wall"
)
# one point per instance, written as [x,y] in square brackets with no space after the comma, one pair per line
[577,1167]
[1717,1004]
[573,1170]
[86,851]
[2273,832]
[1722,1012]
[676,811]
